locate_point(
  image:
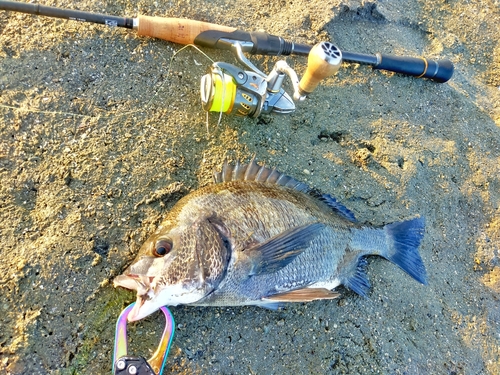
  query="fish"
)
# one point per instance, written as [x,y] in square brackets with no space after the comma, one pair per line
[259,237]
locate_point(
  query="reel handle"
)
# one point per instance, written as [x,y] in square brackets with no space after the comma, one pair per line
[323,61]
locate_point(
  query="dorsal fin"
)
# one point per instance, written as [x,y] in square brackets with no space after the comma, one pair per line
[254,172]
[333,204]
[259,173]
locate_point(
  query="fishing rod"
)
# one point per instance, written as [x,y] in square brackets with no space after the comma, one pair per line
[229,89]
[185,31]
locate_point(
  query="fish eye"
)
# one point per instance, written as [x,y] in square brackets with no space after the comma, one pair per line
[162,247]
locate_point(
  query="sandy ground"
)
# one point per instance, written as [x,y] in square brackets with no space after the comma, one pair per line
[101,132]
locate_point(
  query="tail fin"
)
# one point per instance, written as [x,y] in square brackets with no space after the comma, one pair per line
[404,240]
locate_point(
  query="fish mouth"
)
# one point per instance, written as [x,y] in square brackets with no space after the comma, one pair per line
[139,311]
[145,293]
[140,283]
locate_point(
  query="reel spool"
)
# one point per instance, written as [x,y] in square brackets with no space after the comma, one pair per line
[227,89]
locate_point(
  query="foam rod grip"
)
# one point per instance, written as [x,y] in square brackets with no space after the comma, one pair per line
[177,30]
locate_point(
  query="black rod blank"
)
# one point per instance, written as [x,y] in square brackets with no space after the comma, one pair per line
[74,15]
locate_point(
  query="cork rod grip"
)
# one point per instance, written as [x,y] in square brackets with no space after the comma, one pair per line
[323,61]
[176,30]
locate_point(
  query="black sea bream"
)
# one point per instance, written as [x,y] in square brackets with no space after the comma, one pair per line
[258,237]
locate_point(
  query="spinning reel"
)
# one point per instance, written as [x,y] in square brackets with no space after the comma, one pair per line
[229,89]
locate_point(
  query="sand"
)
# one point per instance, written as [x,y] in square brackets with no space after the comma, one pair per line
[102,131]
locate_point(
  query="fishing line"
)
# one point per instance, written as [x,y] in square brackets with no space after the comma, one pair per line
[113,115]
[223,96]
[169,70]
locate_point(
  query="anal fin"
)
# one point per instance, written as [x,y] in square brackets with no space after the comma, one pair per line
[358,281]
[303,295]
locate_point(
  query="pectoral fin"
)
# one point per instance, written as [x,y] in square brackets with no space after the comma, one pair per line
[303,295]
[277,252]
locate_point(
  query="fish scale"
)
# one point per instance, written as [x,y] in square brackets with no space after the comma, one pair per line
[302,272]
[259,237]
